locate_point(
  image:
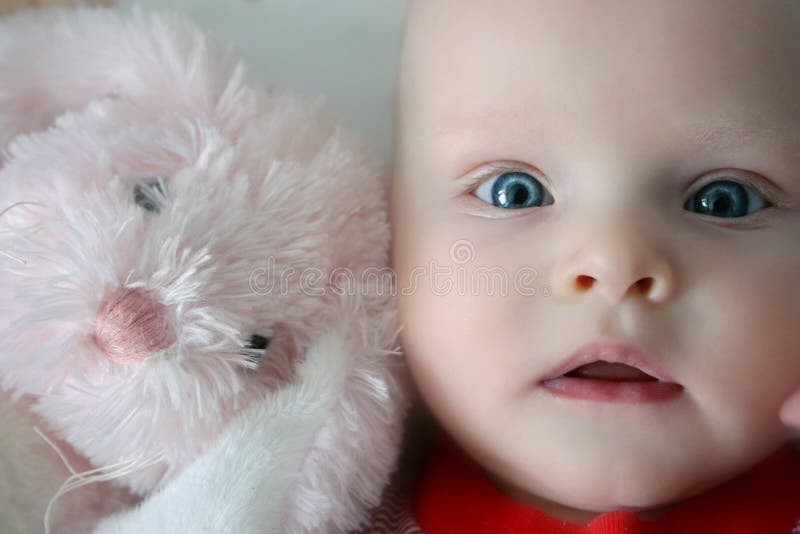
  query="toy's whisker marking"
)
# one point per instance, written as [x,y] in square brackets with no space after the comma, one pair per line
[98,474]
[22,203]
[55,448]
[11,207]
[12,257]
[123,227]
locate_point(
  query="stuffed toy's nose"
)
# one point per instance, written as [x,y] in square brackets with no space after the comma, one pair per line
[131,325]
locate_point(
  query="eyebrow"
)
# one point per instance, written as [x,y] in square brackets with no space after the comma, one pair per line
[726,134]
[709,134]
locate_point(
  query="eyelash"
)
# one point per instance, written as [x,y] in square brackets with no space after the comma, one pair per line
[475,181]
[472,181]
[770,197]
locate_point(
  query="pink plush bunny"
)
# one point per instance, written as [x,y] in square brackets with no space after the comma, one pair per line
[193,285]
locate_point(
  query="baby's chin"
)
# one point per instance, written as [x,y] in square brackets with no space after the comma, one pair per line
[581,503]
[576,485]
[579,507]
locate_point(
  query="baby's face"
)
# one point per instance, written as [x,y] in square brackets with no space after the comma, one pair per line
[634,165]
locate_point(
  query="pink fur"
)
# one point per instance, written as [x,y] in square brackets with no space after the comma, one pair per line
[129,321]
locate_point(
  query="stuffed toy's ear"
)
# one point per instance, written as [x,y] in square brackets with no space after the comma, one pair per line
[156,62]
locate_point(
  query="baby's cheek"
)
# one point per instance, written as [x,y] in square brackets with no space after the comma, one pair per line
[750,357]
[445,346]
[463,350]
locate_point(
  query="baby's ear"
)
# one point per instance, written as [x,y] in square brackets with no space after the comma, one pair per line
[790,411]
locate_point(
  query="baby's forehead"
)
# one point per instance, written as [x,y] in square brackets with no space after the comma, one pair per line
[564,69]
[440,29]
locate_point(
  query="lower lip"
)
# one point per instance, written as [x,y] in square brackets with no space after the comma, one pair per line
[611,391]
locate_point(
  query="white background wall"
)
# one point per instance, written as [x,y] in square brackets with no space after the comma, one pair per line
[347,50]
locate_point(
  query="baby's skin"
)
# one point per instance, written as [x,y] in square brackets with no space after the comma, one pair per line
[631,170]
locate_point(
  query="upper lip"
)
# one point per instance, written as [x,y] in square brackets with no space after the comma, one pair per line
[611,352]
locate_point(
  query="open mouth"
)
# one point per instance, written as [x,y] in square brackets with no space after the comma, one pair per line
[616,372]
[611,372]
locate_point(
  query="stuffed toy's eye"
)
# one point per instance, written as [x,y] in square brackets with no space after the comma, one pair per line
[726,198]
[257,345]
[149,195]
[513,190]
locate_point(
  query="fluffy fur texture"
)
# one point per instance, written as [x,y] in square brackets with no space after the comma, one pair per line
[159,214]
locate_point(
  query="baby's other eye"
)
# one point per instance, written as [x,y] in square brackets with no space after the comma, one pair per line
[513,190]
[726,198]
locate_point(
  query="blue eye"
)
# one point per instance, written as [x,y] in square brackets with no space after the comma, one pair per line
[513,190]
[725,198]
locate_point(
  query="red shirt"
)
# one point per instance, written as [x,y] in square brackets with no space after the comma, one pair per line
[454,496]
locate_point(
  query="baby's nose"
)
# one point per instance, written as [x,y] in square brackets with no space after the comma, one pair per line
[131,326]
[616,265]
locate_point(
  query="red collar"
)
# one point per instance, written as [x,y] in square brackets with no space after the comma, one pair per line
[455,496]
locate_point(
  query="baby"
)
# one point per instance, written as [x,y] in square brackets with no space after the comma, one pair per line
[596,212]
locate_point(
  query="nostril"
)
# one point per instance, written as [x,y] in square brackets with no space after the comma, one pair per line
[645,285]
[131,326]
[584,282]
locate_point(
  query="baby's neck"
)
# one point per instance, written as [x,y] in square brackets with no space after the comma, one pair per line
[575,516]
